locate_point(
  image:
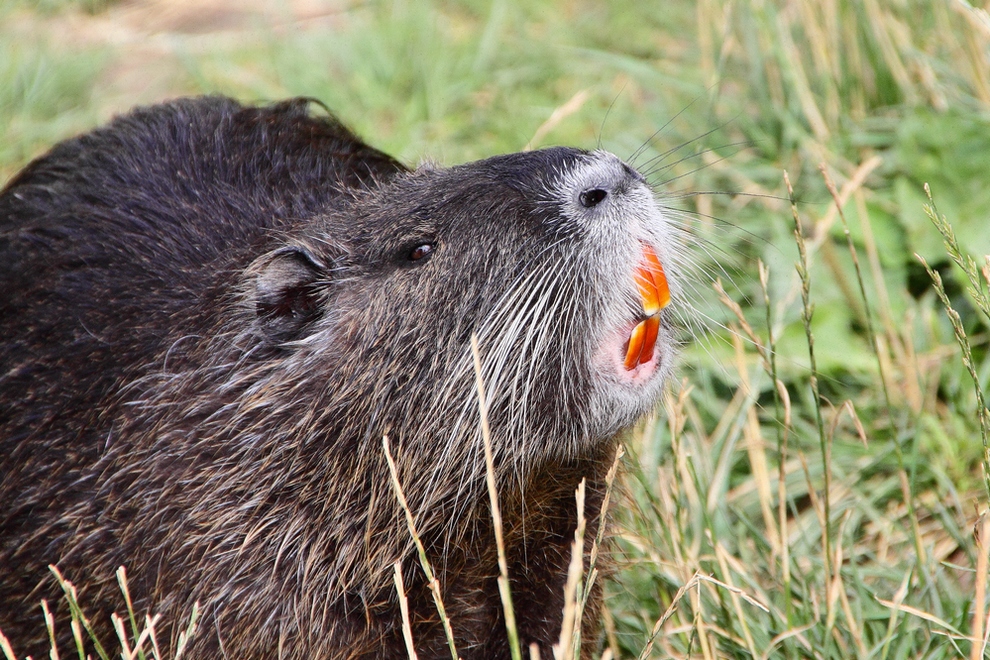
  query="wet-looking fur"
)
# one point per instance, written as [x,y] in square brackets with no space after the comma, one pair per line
[212,313]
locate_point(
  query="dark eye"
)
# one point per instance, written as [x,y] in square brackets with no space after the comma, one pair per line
[591,197]
[420,252]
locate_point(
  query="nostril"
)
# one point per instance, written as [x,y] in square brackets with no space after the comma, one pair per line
[592,197]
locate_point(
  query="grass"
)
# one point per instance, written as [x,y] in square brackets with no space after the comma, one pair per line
[134,641]
[811,488]
[45,95]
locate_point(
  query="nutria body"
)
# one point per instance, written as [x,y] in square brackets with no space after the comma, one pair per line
[211,314]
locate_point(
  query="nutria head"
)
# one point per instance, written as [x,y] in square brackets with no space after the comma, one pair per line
[541,254]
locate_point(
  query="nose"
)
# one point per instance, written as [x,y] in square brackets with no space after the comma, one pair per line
[603,176]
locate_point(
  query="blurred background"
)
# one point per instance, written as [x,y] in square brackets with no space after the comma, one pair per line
[814,509]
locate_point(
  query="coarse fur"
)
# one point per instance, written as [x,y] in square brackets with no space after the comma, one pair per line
[212,313]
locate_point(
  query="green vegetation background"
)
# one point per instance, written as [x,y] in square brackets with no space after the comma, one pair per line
[835,525]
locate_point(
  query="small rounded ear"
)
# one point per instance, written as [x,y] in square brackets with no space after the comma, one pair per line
[286,293]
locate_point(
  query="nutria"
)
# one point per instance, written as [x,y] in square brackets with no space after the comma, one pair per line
[212,313]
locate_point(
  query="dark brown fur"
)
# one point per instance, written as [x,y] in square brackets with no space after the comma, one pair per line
[211,314]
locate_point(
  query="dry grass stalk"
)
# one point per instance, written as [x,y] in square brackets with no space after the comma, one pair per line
[701,626]
[658,626]
[404,611]
[848,407]
[149,624]
[141,637]
[611,637]
[897,605]
[977,627]
[681,484]
[186,635]
[967,358]
[782,413]
[733,590]
[504,589]
[558,115]
[720,556]
[122,582]
[895,608]
[50,626]
[77,636]
[5,647]
[743,323]
[118,627]
[807,312]
[431,580]
[980,295]
[596,543]
[792,633]
[78,617]
[126,652]
[566,648]
[839,591]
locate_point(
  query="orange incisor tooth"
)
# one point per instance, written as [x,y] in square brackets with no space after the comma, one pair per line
[642,341]
[652,283]
[635,345]
[650,340]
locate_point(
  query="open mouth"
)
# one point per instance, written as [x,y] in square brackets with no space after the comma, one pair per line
[655,295]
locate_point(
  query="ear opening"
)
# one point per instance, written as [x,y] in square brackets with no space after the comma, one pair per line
[287,293]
